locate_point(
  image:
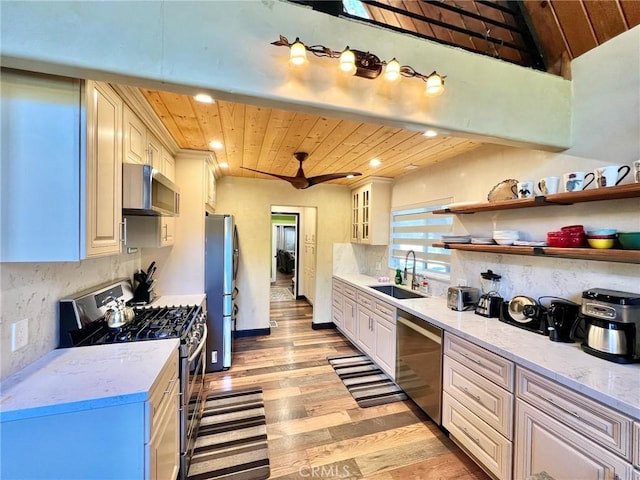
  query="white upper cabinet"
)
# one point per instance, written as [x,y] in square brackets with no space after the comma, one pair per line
[142,146]
[104,170]
[61,169]
[370,210]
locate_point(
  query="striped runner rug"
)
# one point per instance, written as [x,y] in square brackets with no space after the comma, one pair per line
[367,384]
[232,438]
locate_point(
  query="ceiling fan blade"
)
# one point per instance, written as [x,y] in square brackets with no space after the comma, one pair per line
[297,181]
[330,176]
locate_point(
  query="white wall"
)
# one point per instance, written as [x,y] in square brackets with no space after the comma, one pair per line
[224,46]
[250,201]
[32,291]
[606,131]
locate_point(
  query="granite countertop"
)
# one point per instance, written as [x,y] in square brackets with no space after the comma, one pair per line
[615,385]
[82,378]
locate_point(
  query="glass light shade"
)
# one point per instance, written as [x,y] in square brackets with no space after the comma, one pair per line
[348,62]
[298,54]
[392,71]
[435,85]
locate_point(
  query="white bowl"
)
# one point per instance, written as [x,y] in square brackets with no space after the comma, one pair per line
[505,241]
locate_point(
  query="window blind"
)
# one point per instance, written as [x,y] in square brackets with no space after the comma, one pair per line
[416,228]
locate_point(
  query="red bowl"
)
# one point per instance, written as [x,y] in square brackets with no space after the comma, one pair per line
[557,241]
[573,228]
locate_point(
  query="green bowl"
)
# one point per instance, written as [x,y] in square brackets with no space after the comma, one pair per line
[629,240]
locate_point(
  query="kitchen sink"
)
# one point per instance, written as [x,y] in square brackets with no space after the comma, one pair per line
[396,292]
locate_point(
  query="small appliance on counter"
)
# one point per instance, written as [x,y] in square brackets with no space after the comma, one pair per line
[611,324]
[561,316]
[143,293]
[490,300]
[462,298]
[524,312]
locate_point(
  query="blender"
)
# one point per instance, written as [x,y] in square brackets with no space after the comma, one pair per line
[490,300]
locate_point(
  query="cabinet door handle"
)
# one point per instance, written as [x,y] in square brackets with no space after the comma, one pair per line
[166,231]
[123,236]
[475,397]
[170,386]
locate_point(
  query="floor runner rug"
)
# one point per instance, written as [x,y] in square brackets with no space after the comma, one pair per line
[232,438]
[368,385]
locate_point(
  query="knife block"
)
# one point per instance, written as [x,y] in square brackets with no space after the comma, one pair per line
[142,294]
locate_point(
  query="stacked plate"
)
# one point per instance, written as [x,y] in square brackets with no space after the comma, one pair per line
[482,241]
[456,239]
[506,237]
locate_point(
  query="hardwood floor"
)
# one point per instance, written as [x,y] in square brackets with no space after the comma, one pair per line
[315,429]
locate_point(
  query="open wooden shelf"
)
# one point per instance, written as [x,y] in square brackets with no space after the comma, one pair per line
[604,255]
[566,198]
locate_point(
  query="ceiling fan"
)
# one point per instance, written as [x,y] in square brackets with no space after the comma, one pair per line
[300,181]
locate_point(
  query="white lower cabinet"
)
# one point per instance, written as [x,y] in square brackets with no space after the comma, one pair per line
[365,330]
[568,435]
[163,450]
[135,438]
[488,447]
[477,403]
[369,323]
[336,307]
[384,349]
[543,444]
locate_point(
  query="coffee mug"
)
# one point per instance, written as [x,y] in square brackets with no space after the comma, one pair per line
[636,170]
[548,185]
[610,176]
[524,189]
[575,181]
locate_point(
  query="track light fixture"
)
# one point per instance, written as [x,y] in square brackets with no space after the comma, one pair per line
[362,64]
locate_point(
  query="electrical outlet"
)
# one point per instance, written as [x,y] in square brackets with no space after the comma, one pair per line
[19,334]
[214,356]
[462,282]
[378,266]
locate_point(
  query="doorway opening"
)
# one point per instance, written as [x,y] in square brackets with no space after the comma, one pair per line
[293,253]
[284,255]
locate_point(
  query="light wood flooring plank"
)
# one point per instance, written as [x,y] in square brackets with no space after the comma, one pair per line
[315,429]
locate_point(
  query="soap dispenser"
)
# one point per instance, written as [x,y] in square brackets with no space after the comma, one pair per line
[398,276]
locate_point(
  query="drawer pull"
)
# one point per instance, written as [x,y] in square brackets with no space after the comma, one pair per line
[473,439]
[474,360]
[475,397]
[570,412]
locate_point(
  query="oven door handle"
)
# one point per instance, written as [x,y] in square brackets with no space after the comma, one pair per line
[203,342]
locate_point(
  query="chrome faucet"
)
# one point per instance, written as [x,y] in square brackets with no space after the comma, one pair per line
[414,281]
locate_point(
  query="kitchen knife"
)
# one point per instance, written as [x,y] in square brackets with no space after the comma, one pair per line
[150,271]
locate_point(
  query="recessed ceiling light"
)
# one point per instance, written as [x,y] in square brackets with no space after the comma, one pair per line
[375,162]
[350,176]
[430,133]
[203,98]
[411,166]
[223,165]
[215,144]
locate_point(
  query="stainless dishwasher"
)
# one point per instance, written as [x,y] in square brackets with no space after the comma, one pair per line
[419,363]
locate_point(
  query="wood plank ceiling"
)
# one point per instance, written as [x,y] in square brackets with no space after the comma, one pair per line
[265,139]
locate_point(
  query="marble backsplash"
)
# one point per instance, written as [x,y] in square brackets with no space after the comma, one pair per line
[32,291]
[365,259]
[521,275]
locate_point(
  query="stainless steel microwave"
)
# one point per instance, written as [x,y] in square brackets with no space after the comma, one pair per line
[146,191]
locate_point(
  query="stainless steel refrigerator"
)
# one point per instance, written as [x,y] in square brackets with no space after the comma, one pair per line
[220,271]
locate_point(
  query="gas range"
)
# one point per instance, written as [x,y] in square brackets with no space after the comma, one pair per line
[82,320]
